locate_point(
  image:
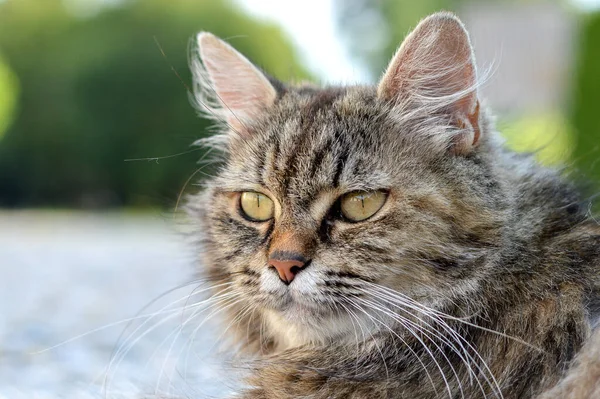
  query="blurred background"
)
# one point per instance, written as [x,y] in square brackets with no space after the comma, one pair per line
[95,134]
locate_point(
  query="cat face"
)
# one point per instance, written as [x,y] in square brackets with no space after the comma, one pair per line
[327,196]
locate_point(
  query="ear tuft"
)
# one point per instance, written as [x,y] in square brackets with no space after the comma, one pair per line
[227,85]
[435,68]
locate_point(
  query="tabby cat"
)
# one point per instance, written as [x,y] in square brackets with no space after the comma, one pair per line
[381,242]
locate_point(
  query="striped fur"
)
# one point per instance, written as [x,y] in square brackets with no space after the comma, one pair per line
[476,279]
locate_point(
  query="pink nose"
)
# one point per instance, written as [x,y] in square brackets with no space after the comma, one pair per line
[287,269]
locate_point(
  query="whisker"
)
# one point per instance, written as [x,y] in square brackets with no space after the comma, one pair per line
[436,316]
[429,328]
[377,346]
[237,318]
[449,390]
[461,320]
[407,346]
[113,324]
[120,353]
[352,317]
[156,159]
[459,339]
[216,304]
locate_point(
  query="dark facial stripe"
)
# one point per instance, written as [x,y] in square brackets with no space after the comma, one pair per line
[229,256]
[319,155]
[333,273]
[300,144]
[338,284]
[260,168]
[339,168]
[247,235]
[272,153]
[319,100]
[268,235]
[325,229]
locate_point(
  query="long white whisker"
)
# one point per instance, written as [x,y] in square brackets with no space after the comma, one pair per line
[413,353]
[216,301]
[352,317]
[459,339]
[186,298]
[375,343]
[126,346]
[449,390]
[115,323]
[447,316]
[428,328]
[437,316]
[191,339]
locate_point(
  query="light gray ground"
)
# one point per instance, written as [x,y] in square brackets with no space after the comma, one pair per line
[67,274]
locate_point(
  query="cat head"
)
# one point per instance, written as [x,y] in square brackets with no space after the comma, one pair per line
[331,198]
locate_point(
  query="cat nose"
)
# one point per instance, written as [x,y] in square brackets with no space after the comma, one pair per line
[287,265]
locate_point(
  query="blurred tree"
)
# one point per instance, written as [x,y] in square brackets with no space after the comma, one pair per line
[374,28]
[586,100]
[9,93]
[96,91]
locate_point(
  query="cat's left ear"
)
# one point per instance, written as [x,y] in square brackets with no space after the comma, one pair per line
[435,68]
[231,87]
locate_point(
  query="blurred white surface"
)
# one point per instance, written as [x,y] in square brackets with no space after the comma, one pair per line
[63,275]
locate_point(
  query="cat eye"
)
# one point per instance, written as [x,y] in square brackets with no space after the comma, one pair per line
[361,205]
[256,207]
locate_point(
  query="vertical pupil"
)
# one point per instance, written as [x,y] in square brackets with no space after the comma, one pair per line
[257,201]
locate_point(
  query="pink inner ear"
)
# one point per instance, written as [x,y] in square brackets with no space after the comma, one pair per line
[435,67]
[436,58]
[474,119]
[238,87]
[241,88]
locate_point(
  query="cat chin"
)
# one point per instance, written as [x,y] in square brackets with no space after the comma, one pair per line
[302,314]
[300,325]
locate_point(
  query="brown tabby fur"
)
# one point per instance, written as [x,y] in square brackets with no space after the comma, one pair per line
[479,277]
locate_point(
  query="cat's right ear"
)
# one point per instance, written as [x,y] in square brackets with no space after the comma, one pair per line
[228,86]
[434,69]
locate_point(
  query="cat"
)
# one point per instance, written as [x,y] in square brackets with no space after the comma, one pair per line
[381,242]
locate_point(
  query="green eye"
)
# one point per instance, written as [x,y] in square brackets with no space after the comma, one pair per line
[360,205]
[256,206]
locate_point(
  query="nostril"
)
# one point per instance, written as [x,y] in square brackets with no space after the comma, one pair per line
[300,266]
[287,269]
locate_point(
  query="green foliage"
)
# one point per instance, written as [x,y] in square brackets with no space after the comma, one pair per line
[97,91]
[375,29]
[9,92]
[586,100]
[548,135]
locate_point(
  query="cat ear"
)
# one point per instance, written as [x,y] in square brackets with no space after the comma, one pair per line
[237,90]
[435,67]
